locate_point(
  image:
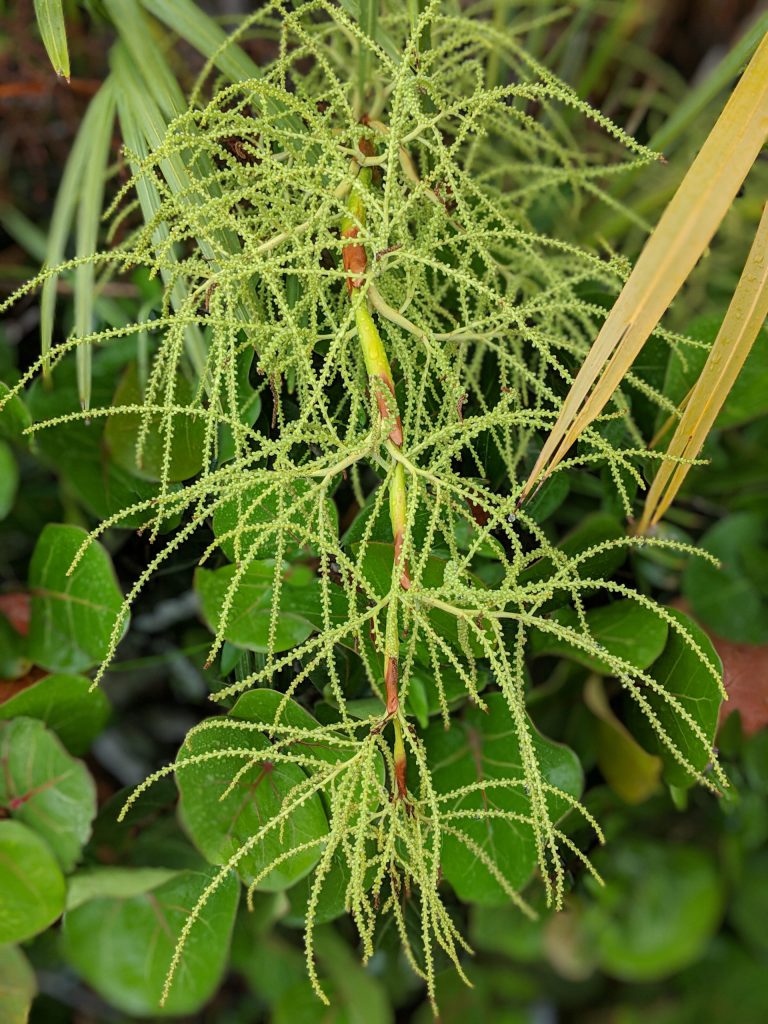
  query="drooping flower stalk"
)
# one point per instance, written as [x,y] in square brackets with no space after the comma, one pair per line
[355,261]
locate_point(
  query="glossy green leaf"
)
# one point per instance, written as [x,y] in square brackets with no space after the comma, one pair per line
[748,397]
[248,405]
[681,673]
[248,622]
[732,600]
[72,615]
[122,432]
[114,883]
[66,704]
[9,479]
[32,886]
[593,531]
[255,509]
[76,450]
[630,771]
[356,996]
[18,986]
[485,746]
[219,827]
[122,947]
[626,630]
[14,416]
[660,905]
[50,21]
[45,788]
[13,659]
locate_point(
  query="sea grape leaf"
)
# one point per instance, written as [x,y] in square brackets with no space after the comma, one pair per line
[76,450]
[747,399]
[66,704]
[248,405]
[549,497]
[9,479]
[659,907]
[750,901]
[32,886]
[18,985]
[14,416]
[218,828]
[149,836]
[42,786]
[257,507]
[249,618]
[631,772]
[624,628]
[114,883]
[732,600]
[13,658]
[484,746]
[681,673]
[594,530]
[122,946]
[122,432]
[72,616]
[356,996]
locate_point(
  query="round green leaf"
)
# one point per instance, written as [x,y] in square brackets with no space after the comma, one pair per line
[31,883]
[72,616]
[45,788]
[356,996]
[13,658]
[484,746]
[626,629]
[258,507]
[76,450]
[18,986]
[68,707]
[122,946]
[119,883]
[657,911]
[122,432]
[732,600]
[682,674]
[9,479]
[248,622]
[751,902]
[220,827]
[14,416]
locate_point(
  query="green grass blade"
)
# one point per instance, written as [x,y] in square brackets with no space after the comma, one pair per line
[102,111]
[50,20]
[136,32]
[697,99]
[197,28]
[67,199]
[21,229]
[368,21]
[141,121]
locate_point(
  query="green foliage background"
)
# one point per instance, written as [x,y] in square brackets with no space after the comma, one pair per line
[674,935]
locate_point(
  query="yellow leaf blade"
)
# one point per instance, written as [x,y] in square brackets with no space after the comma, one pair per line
[681,236]
[746,315]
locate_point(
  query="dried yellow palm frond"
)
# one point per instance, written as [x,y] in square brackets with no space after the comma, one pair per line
[670,254]
[746,315]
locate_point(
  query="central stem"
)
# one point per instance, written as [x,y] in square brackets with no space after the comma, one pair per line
[380,377]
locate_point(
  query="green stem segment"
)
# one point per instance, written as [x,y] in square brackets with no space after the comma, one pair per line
[380,375]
